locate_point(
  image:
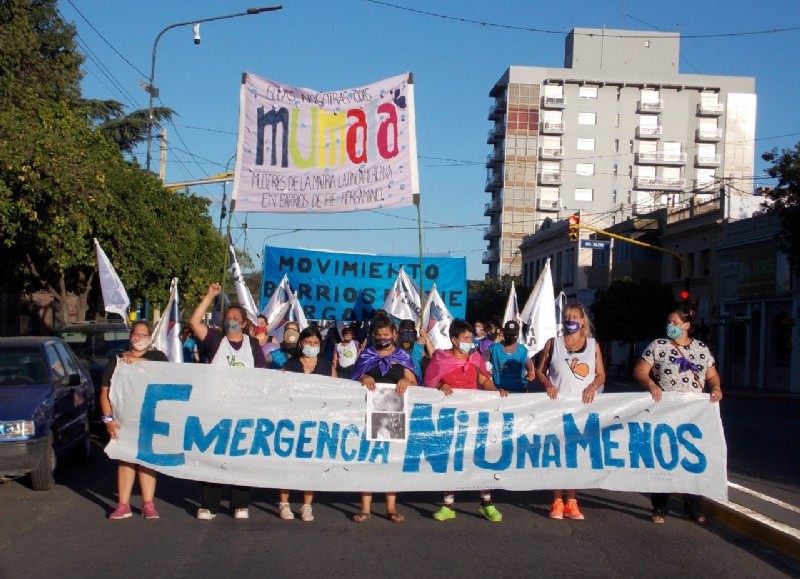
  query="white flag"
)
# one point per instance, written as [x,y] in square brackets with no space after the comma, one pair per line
[512,309]
[290,311]
[167,334]
[278,303]
[436,320]
[403,301]
[561,303]
[115,298]
[242,293]
[539,313]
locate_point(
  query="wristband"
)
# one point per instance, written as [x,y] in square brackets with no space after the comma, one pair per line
[107,418]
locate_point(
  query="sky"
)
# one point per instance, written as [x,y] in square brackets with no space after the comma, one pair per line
[456,49]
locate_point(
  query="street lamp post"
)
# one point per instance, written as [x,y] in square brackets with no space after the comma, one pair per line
[153,91]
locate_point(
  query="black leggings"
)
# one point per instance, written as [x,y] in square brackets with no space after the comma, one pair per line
[691,503]
[211,496]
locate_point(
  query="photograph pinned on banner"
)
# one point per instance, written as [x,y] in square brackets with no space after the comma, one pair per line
[387,418]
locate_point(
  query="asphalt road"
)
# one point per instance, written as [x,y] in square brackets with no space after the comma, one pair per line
[64,533]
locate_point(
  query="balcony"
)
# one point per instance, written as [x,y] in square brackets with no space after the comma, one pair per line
[548,204]
[491,232]
[658,183]
[648,132]
[650,107]
[493,206]
[497,157]
[710,109]
[497,110]
[550,178]
[552,127]
[707,160]
[660,158]
[551,152]
[711,186]
[708,135]
[553,102]
[494,182]
[495,134]
[491,256]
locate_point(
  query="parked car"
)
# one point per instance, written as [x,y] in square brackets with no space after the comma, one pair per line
[46,401]
[94,343]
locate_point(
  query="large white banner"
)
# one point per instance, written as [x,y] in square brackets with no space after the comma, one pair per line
[265,428]
[306,151]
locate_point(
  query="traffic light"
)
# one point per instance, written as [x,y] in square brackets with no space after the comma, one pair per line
[685,298]
[574,225]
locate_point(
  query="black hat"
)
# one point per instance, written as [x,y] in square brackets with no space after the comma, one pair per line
[511,328]
[407,325]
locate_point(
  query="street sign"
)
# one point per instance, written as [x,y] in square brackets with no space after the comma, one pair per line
[595,244]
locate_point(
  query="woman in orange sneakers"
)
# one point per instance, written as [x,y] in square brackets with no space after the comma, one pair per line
[571,365]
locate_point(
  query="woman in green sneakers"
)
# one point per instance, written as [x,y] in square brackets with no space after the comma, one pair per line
[461,367]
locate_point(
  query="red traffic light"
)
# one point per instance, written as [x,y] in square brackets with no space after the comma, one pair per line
[574,224]
[574,220]
[684,295]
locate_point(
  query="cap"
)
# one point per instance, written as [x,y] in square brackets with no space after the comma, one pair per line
[290,337]
[407,325]
[511,328]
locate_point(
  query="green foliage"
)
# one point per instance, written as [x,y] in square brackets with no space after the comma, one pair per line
[785,198]
[37,53]
[488,298]
[631,311]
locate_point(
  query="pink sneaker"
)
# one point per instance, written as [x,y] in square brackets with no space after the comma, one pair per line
[121,512]
[149,511]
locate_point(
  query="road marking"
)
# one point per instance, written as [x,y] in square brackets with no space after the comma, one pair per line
[763,497]
[763,519]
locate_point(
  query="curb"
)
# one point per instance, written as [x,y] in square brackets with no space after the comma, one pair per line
[770,533]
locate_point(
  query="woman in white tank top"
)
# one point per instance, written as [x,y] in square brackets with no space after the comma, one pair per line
[571,365]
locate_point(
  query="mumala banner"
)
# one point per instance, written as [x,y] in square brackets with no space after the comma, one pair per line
[351,286]
[265,428]
[306,151]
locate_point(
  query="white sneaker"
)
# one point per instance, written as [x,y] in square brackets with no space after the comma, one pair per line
[242,513]
[285,511]
[306,514]
[205,515]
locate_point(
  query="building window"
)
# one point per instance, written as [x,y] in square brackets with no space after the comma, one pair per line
[616,120]
[569,267]
[587,118]
[583,194]
[587,92]
[705,262]
[616,145]
[782,339]
[584,169]
[585,144]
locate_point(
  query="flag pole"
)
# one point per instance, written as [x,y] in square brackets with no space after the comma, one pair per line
[421,277]
[226,262]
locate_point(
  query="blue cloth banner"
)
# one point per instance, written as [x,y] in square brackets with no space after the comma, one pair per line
[352,286]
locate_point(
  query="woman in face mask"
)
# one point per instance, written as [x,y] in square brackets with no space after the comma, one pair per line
[461,367]
[307,362]
[511,368]
[140,349]
[571,365]
[383,363]
[678,363]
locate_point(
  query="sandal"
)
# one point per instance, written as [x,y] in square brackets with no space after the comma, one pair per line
[361,517]
[698,518]
[395,517]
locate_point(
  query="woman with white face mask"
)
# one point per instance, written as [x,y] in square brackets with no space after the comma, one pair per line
[308,361]
[140,349]
[678,363]
[461,367]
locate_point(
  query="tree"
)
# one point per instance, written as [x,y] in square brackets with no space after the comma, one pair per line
[631,311]
[785,197]
[126,131]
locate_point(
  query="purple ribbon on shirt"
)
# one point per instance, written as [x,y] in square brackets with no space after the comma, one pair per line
[685,364]
[370,358]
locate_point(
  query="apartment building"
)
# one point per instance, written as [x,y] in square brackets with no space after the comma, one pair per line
[618,132]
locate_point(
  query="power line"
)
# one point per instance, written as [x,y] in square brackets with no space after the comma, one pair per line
[486,24]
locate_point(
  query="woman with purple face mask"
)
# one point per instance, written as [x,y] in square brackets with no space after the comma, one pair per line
[571,365]
[383,363]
